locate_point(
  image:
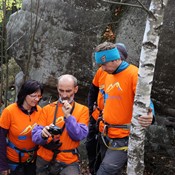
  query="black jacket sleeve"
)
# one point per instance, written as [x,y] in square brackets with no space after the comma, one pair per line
[3,145]
[92,97]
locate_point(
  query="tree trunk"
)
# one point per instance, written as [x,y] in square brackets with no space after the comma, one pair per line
[32,38]
[135,165]
[4,54]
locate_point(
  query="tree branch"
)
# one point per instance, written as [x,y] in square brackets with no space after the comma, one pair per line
[16,41]
[146,10]
[133,5]
[122,3]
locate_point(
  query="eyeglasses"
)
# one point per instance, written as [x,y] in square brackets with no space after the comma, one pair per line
[36,96]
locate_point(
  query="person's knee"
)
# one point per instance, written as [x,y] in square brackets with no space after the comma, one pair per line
[71,169]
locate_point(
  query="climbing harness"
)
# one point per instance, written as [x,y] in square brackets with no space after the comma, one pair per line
[54,147]
[104,135]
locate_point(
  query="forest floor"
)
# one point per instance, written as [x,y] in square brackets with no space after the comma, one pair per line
[152,168]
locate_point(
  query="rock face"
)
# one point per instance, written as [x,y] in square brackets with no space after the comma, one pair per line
[159,145]
[50,38]
[164,85]
[130,31]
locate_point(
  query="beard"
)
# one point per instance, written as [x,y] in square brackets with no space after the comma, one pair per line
[70,100]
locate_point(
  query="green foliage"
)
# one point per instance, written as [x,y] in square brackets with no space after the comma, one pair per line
[7,70]
[11,5]
[13,70]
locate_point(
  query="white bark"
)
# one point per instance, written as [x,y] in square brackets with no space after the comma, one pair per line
[135,165]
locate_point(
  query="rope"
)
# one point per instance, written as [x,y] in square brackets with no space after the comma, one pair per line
[123,148]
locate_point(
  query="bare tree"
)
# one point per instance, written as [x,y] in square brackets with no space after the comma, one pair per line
[4,77]
[4,52]
[148,56]
[6,8]
[1,70]
[32,37]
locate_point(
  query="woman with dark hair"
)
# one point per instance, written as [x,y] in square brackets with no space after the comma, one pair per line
[17,150]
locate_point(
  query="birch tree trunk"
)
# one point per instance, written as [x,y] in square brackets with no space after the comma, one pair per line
[135,165]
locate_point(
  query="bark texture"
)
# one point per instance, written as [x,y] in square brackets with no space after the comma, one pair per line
[148,57]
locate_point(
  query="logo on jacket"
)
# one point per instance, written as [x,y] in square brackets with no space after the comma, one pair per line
[112,86]
[28,129]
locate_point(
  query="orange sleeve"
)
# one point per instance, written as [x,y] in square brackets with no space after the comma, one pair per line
[5,119]
[95,80]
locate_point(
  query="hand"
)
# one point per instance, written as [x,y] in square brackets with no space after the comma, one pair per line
[6,172]
[145,121]
[45,133]
[66,108]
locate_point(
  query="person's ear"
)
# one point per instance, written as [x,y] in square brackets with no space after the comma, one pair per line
[76,89]
[57,87]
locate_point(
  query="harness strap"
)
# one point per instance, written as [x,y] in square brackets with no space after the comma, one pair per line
[124,126]
[73,151]
[105,132]
[11,145]
[55,153]
[53,145]
[123,148]
[48,165]
[56,150]
[22,151]
[100,118]
[107,126]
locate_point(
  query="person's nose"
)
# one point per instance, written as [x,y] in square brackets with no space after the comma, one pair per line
[37,98]
[64,94]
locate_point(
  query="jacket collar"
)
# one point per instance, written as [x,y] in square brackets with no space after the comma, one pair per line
[121,67]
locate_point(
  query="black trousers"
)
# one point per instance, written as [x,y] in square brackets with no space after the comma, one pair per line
[93,147]
[25,169]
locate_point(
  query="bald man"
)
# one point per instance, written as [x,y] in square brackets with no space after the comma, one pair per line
[60,129]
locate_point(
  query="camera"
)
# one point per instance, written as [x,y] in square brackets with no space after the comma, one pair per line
[55,130]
